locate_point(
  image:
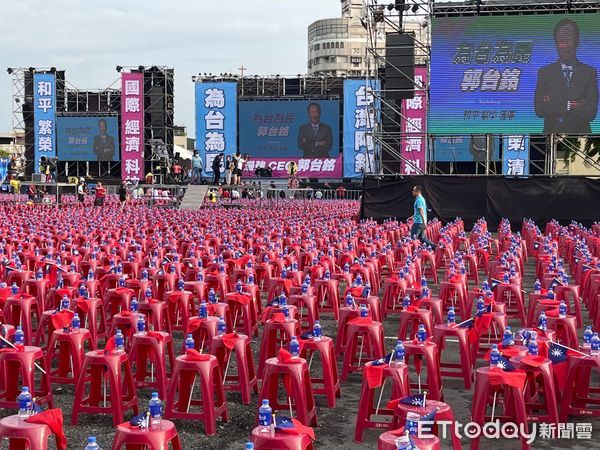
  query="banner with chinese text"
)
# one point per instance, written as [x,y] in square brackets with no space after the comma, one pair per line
[414,127]
[44,116]
[132,126]
[216,121]
[359,120]
[515,155]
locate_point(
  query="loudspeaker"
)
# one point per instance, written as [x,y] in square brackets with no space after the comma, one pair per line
[400,65]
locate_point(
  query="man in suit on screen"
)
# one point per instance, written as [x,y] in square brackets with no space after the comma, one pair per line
[566,95]
[315,138]
[104,145]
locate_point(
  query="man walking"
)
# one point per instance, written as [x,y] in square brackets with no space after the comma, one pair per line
[196,168]
[420,217]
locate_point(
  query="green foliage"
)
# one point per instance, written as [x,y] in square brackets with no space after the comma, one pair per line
[568,145]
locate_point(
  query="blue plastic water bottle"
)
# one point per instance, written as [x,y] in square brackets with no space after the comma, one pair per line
[221,326]
[364,312]
[451,316]
[562,309]
[39,274]
[265,416]
[327,275]
[19,336]
[212,296]
[148,293]
[155,407]
[537,287]
[121,281]
[119,341]
[587,337]
[349,300]
[144,274]
[134,305]
[543,321]
[250,280]
[75,323]
[14,289]
[83,292]
[403,443]
[172,269]
[92,444]
[294,347]
[532,346]
[508,336]
[181,284]
[282,300]
[421,334]
[249,446]
[406,302]
[141,325]
[550,293]
[304,288]
[423,281]
[24,400]
[189,341]
[399,351]
[317,330]
[203,313]
[595,344]
[366,290]
[494,355]
[412,423]
[65,303]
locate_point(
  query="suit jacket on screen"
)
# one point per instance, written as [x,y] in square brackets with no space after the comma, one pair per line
[307,140]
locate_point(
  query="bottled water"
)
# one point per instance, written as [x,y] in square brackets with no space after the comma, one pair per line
[180,284]
[141,325]
[119,342]
[265,416]
[282,300]
[14,289]
[537,287]
[494,355]
[295,347]
[403,443]
[412,423]
[221,326]
[399,352]
[133,305]
[91,444]
[349,301]
[212,296]
[189,341]
[451,316]
[286,312]
[364,312]
[155,407]
[543,321]
[595,344]
[406,302]
[203,313]
[19,336]
[249,446]
[508,336]
[317,331]
[148,293]
[532,347]
[421,334]
[24,400]
[562,309]
[587,337]
[75,323]
[65,303]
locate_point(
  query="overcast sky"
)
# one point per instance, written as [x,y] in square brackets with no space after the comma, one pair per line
[88,39]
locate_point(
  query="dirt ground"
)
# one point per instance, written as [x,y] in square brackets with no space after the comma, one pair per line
[336,426]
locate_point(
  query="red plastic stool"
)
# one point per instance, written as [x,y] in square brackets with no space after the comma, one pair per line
[218,282]
[513,404]
[39,289]
[180,305]
[117,300]
[429,352]
[275,335]
[436,306]
[397,372]
[296,379]
[245,316]
[101,371]
[570,294]
[565,329]
[393,293]
[127,323]
[312,310]
[278,285]
[245,380]
[328,296]
[17,368]
[203,331]
[540,385]
[576,400]
[157,315]
[387,441]
[69,349]
[511,295]
[22,434]
[93,318]
[454,294]
[443,412]
[329,375]
[280,441]
[46,326]
[372,345]
[152,348]
[373,304]
[163,283]
[19,310]
[414,318]
[153,438]
[428,265]
[181,390]
[440,333]
[346,315]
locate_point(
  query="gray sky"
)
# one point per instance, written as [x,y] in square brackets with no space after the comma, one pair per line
[88,39]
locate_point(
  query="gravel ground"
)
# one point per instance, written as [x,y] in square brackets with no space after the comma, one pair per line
[336,426]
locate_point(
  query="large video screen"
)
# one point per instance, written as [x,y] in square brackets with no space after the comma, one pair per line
[521,74]
[93,138]
[289,128]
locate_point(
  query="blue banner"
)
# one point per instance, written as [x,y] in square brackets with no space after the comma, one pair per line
[359,119]
[87,138]
[44,116]
[515,155]
[464,148]
[216,121]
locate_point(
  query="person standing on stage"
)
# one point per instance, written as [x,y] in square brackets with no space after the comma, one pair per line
[100,194]
[420,217]
[216,167]
[81,190]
